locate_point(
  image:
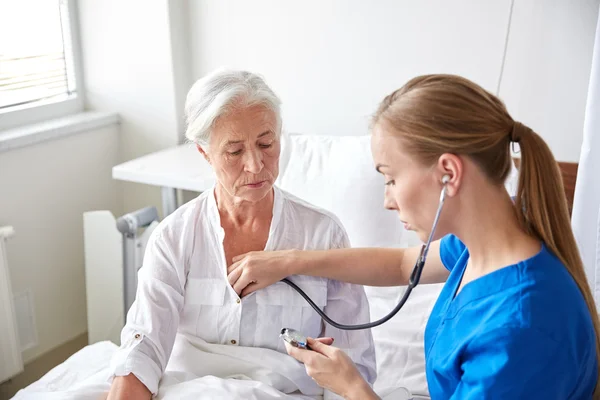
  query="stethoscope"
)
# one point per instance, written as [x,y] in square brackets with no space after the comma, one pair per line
[297,339]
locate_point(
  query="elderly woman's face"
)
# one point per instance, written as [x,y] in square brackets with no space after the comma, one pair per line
[244,152]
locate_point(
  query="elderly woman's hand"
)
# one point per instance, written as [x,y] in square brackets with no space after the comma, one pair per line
[332,369]
[259,269]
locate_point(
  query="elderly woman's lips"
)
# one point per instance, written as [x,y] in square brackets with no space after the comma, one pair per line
[256,185]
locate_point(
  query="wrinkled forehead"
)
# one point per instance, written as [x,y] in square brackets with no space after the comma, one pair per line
[243,124]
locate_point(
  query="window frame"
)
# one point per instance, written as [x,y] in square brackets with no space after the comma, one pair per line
[44,110]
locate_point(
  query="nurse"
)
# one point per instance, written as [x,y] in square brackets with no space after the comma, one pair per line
[516,317]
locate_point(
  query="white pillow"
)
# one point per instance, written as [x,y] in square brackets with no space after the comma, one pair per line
[399,343]
[337,173]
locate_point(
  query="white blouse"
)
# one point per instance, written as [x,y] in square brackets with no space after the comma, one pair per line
[183,288]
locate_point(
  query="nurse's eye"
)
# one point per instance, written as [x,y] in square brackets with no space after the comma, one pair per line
[390,183]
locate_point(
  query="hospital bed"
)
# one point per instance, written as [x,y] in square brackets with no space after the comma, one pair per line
[333,172]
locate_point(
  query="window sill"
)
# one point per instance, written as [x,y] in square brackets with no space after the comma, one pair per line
[29,135]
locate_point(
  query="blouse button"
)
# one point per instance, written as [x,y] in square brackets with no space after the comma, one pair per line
[233,341]
[137,335]
[238,301]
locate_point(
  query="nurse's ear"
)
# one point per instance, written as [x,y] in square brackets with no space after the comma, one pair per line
[450,170]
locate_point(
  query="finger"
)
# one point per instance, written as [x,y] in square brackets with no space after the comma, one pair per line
[241,284]
[240,257]
[234,275]
[326,340]
[233,266]
[321,348]
[301,355]
[251,288]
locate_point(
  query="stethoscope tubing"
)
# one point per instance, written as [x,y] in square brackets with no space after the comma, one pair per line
[413,281]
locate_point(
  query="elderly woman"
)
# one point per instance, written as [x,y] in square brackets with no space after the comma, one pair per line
[186,315]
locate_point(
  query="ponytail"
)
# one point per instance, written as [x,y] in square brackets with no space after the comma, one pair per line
[542,210]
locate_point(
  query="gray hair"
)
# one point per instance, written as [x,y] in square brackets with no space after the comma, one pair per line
[217,93]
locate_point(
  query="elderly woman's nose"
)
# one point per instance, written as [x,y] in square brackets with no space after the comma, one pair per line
[253,162]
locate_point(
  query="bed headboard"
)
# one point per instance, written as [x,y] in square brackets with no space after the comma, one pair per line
[569,175]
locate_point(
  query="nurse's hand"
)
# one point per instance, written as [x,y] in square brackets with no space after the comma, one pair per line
[259,269]
[332,369]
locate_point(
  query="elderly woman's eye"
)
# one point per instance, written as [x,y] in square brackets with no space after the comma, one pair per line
[265,145]
[234,153]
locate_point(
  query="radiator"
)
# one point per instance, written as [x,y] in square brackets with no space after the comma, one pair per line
[114,250]
[11,362]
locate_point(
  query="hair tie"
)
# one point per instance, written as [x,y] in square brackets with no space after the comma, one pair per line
[517,132]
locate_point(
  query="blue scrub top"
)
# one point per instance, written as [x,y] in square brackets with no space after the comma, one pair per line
[521,332]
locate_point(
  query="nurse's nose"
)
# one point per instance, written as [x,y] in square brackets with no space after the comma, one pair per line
[388,200]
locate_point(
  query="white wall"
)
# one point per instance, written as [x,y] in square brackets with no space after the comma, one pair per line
[333,61]
[180,58]
[548,62]
[130,68]
[44,190]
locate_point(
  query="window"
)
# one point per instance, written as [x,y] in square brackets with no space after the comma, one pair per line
[38,70]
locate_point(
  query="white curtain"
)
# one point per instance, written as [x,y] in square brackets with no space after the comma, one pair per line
[586,207]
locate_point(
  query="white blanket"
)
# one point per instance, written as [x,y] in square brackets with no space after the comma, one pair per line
[196,370]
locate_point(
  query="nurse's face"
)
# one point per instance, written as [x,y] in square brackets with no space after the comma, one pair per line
[411,188]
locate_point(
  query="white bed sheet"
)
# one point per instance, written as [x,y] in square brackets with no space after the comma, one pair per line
[208,375]
[84,369]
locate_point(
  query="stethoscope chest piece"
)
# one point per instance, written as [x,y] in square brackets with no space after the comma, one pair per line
[294,338]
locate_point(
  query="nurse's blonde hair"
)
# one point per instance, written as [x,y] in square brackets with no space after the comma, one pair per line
[436,114]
